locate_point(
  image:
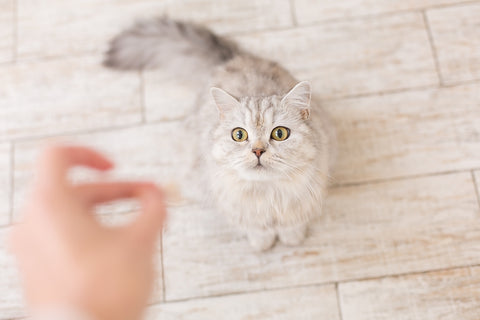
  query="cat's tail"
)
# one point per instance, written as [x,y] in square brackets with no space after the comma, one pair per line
[177,46]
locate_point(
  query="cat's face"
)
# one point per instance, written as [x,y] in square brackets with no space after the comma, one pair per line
[264,138]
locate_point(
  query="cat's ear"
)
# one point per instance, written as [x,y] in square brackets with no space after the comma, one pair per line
[224,101]
[299,97]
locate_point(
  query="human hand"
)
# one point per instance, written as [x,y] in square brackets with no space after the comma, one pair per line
[67,259]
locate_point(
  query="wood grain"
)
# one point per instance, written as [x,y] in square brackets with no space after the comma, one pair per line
[63,28]
[6,30]
[456,37]
[5,186]
[156,152]
[353,57]
[442,295]
[11,300]
[233,15]
[401,225]
[408,133]
[169,98]
[68,95]
[297,303]
[309,11]
[477,185]
[367,231]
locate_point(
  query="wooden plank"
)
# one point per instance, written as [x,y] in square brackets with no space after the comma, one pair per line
[367,231]
[154,152]
[353,57]
[456,38]
[69,95]
[233,15]
[308,11]
[5,186]
[169,98]
[297,303]
[446,295]
[63,29]
[407,133]
[477,184]
[12,304]
[6,30]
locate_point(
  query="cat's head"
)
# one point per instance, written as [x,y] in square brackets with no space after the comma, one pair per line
[264,138]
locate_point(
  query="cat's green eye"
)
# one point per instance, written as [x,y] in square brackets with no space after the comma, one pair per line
[280,133]
[239,134]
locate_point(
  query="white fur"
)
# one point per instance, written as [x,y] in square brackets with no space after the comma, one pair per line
[287,191]
[283,195]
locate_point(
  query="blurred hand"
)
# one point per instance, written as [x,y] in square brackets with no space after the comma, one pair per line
[67,259]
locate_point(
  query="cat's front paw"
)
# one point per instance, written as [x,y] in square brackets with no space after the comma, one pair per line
[292,236]
[261,240]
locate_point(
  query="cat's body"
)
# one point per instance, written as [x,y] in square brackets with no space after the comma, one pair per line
[266,154]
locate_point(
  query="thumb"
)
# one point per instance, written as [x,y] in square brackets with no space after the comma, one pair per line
[149,224]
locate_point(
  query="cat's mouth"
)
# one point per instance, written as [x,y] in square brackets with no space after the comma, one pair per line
[259,165]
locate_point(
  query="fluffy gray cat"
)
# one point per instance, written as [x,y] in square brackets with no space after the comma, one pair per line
[267,147]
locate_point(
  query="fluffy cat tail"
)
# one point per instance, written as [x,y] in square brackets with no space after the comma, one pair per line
[177,46]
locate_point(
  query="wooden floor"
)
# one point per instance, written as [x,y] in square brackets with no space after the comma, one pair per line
[400,237]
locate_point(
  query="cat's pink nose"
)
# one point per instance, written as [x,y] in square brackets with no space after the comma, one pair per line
[258,152]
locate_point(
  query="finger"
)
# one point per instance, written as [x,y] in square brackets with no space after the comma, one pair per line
[149,224]
[55,161]
[97,193]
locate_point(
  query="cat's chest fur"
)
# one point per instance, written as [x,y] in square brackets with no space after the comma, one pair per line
[268,204]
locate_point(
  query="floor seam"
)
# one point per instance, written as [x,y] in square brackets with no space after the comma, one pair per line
[400,178]
[77,133]
[15,31]
[354,18]
[11,195]
[163,267]
[403,90]
[142,96]
[339,304]
[274,29]
[293,13]
[432,47]
[475,185]
[320,284]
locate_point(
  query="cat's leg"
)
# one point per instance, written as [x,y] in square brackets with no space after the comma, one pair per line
[292,235]
[261,239]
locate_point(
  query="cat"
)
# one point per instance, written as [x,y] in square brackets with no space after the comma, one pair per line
[267,146]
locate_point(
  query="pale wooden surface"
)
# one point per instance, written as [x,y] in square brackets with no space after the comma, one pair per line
[5,186]
[476,178]
[308,11]
[234,16]
[48,97]
[456,36]
[404,204]
[177,94]
[11,300]
[408,133]
[353,57]
[295,303]
[87,26]
[141,153]
[6,30]
[367,231]
[64,28]
[442,295]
